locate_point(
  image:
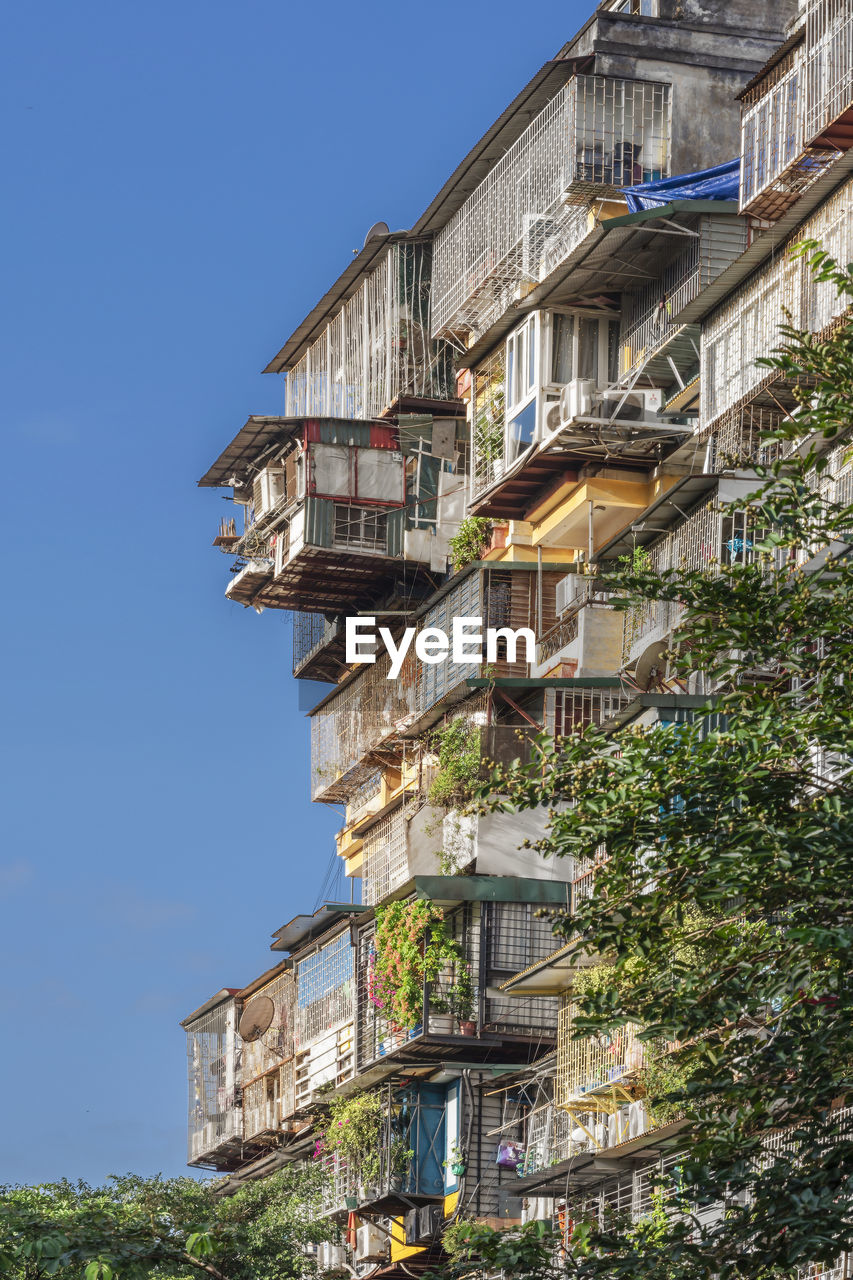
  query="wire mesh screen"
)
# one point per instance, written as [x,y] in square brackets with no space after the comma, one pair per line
[372,711]
[386,865]
[377,348]
[829,52]
[213,1060]
[597,133]
[324,989]
[276,1043]
[489,414]
[747,326]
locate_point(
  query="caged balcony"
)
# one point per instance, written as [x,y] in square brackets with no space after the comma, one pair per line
[378,349]
[497,939]
[597,135]
[324,1014]
[214,1052]
[267,1061]
[798,117]
[369,716]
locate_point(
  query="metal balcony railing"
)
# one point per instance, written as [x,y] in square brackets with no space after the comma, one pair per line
[597,135]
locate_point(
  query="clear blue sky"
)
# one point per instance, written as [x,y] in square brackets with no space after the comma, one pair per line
[181,182]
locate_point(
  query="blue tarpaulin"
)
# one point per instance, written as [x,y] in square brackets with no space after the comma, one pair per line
[719,183]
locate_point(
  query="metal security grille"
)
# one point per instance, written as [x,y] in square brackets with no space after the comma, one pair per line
[386,865]
[213,1060]
[489,403]
[276,1043]
[747,326]
[594,1063]
[829,53]
[569,711]
[324,990]
[517,934]
[354,723]
[377,348]
[360,528]
[596,135]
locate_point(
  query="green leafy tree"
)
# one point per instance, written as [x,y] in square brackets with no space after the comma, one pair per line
[724,910]
[172,1229]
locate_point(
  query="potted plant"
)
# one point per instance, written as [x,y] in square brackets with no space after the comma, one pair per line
[456,1162]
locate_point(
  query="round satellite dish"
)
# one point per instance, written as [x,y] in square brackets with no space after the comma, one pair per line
[378,229]
[651,665]
[257,1018]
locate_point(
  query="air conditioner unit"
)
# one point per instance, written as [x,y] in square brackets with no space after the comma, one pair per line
[267,490]
[576,399]
[412,1225]
[331,1257]
[569,590]
[630,406]
[430,1218]
[537,229]
[370,1244]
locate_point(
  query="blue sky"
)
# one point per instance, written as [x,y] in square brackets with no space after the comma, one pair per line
[182,182]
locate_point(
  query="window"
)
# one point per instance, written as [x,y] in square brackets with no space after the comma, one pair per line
[521,363]
[359,528]
[584,347]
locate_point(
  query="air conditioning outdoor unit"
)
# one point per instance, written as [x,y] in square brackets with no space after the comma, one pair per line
[430,1218]
[370,1244]
[569,590]
[412,1226]
[576,399]
[630,406]
[267,490]
[331,1257]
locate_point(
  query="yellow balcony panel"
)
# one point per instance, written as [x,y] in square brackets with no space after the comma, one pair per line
[399,1249]
[615,504]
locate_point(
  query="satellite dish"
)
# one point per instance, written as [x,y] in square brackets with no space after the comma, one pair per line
[651,665]
[378,229]
[256,1018]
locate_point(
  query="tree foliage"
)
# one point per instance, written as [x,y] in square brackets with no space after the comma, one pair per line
[172,1229]
[724,910]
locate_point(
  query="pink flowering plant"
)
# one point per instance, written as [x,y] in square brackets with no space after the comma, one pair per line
[353,1136]
[412,947]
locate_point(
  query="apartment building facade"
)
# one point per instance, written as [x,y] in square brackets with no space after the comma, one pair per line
[553,367]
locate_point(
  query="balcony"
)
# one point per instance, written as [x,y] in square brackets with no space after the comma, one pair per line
[267,1062]
[799,117]
[413,1121]
[377,350]
[318,647]
[358,725]
[215,1121]
[597,135]
[496,938]
[324,1018]
[570,406]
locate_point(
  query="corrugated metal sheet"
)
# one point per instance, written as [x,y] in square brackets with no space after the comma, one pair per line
[319,522]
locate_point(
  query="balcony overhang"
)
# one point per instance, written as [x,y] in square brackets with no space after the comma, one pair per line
[659,516]
[587,1167]
[634,445]
[255,438]
[767,243]
[319,580]
[613,503]
[549,977]
[616,255]
[304,929]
